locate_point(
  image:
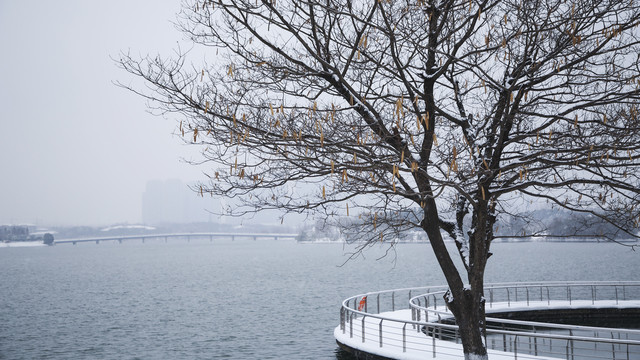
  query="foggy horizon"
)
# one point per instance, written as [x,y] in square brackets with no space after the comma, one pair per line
[75,148]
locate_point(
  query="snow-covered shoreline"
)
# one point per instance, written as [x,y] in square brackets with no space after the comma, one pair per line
[21,244]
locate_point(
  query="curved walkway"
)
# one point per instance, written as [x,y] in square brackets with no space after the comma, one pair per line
[414,323]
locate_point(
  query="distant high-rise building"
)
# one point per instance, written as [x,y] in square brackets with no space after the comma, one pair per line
[171,201]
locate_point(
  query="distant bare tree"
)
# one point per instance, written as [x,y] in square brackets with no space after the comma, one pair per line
[397,115]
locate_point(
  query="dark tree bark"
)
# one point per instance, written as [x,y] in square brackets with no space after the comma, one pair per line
[442,116]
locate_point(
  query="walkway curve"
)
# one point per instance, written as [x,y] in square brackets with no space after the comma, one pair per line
[378,323]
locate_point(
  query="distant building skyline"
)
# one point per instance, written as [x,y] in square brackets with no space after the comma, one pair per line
[171,201]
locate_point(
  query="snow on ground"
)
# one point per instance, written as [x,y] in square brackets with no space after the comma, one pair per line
[418,345]
[499,307]
[562,304]
[21,244]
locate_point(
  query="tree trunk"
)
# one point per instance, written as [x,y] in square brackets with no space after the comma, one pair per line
[466,304]
[468,309]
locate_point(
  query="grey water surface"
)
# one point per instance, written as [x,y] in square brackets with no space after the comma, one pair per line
[227,299]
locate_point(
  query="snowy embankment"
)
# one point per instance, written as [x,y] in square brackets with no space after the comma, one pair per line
[21,244]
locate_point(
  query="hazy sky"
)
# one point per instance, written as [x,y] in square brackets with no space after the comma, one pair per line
[75,148]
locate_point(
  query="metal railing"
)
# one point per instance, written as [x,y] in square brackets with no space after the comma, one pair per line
[547,292]
[537,296]
[373,317]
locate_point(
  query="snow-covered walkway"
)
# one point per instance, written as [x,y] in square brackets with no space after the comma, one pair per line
[417,345]
[398,335]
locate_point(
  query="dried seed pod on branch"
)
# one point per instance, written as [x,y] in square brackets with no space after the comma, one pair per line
[369,108]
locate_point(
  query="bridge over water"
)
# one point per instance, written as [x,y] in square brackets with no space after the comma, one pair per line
[188,236]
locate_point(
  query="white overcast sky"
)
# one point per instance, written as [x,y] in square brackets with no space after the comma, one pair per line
[74,148]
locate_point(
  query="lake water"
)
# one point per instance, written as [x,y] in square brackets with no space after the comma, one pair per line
[239,299]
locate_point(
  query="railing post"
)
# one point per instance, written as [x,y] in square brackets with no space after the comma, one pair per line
[571,342]
[380,332]
[535,343]
[504,339]
[593,294]
[515,346]
[363,317]
[351,326]
[433,341]
[393,301]
[616,287]
[540,293]
[508,298]
[378,302]
[404,337]
[342,320]
[491,297]
[527,289]
[613,348]
[548,297]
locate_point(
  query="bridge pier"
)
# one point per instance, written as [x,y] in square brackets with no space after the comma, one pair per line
[97,242]
[74,243]
[120,241]
[143,240]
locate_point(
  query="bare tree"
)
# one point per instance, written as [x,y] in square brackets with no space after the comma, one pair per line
[435,115]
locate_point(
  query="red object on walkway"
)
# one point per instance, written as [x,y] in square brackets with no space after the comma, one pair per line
[362,303]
